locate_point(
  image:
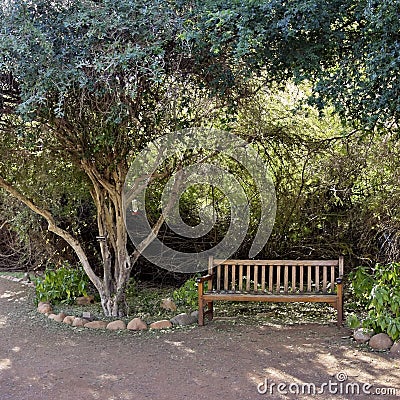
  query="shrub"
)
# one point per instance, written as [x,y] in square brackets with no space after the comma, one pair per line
[352,321]
[379,290]
[362,282]
[61,285]
[186,296]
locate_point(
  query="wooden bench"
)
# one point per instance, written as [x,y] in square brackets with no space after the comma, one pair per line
[272,281]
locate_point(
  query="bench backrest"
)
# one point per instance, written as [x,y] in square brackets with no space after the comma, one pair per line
[275,276]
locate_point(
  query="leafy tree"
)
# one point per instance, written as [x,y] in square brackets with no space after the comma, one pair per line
[364,85]
[348,49]
[89,81]
[94,81]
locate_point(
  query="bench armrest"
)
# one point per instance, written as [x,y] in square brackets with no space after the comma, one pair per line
[204,278]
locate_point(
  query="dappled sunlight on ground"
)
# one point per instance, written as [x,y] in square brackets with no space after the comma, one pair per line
[3,321]
[229,358]
[5,363]
[13,296]
[181,346]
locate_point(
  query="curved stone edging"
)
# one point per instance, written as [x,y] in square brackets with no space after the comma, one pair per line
[136,324]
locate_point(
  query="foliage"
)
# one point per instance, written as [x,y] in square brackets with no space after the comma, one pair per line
[61,284]
[348,49]
[90,83]
[361,284]
[363,85]
[352,321]
[187,295]
[380,292]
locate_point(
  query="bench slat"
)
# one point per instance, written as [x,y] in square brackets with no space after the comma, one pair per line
[248,278]
[278,279]
[301,278]
[219,277]
[278,262]
[286,279]
[233,287]
[241,277]
[226,282]
[328,298]
[271,275]
[293,279]
[263,278]
[256,278]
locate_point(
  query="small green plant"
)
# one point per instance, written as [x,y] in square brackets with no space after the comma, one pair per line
[352,321]
[131,288]
[186,296]
[362,282]
[379,292]
[61,285]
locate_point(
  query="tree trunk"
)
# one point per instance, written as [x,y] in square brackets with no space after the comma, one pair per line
[112,236]
[117,265]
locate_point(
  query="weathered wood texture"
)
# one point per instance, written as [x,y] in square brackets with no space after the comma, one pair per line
[272,281]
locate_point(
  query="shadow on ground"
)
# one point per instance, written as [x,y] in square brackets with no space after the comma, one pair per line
[226,359]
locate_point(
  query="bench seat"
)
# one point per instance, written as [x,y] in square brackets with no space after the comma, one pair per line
[271,281]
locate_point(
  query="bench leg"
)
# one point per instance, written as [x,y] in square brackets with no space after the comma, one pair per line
[201,312]
[210,310]
[339,304]
[339,309]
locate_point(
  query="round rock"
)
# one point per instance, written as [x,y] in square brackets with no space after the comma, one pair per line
[59,317]
[96,325]
[79,322]
[183,319]
[137,324]
[163,324]
[395,349]
[69,319]
[381,341]
[116,325]
[44,308]
[362,335]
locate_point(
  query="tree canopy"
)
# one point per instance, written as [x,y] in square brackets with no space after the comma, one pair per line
[92,82]
[348,50]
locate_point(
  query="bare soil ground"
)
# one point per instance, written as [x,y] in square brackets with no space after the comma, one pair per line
[225,360]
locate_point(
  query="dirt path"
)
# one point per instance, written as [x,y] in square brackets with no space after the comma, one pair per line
[42,360]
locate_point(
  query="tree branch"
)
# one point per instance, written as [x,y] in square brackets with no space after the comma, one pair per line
[53,227]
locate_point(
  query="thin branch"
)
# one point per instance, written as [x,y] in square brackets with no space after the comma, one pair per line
[53,227]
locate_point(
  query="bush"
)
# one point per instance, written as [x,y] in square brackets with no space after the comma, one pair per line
[352,321]
[379,291]
[187,295]
[61,285]
[362,282]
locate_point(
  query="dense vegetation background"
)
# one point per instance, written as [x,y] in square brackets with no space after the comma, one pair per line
[85,85]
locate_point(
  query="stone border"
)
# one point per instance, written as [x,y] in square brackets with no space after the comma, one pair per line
[136,324]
